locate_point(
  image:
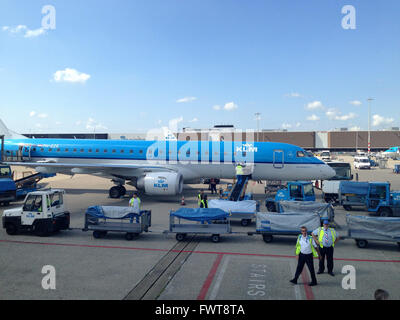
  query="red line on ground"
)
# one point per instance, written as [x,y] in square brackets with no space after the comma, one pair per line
[206,285]
[307,288]
[186,251]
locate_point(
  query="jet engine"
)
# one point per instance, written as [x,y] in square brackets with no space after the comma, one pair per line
[161,183]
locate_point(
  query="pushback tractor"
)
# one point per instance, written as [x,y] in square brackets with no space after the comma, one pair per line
[43,213]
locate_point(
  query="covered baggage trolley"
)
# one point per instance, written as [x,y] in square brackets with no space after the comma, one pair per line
[365,228]
[203,221]
[244,210]
[103,219]
[324,210]
[289,224]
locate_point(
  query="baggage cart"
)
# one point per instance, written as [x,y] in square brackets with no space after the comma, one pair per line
[199,221]
[104,219]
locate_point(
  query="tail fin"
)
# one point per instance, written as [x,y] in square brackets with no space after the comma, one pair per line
[8,134]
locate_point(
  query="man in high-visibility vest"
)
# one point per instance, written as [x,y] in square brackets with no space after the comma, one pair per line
[305,252]
[326,239]
[239,172]
[202,200]
[135,203]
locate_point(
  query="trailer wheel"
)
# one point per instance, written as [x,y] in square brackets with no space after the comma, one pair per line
[245,222]
[129,236]
[362,243]
[267,238]
[385,212]
[215,238]
[11,229]
[98,234]
[180,236]
[347,207]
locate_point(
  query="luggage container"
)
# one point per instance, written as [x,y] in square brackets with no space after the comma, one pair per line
[244,210]
[104,219]
[270,224]
[363,229]
[202,221]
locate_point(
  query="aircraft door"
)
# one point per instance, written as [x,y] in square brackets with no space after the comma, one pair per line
[278,159]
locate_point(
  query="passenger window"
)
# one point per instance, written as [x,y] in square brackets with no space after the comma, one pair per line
[122,151]
[50,149]
[130,151]
[66,149]
[105,150]
[97,150]
[90,150]
[141,151]
[75,150]
[82,150]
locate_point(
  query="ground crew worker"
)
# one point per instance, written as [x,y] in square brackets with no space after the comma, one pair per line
[239,172]
[202,200]
[135,203]
[213,185]
[305,251]
[326,239]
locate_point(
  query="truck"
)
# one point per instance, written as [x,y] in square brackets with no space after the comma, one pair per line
[42,213]
[330,188]
[295,191]
[8,189]
[375,197]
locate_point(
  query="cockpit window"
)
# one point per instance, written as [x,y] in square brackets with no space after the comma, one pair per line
[300,154]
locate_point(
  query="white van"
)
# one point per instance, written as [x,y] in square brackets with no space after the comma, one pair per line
[325,156]
[362,162]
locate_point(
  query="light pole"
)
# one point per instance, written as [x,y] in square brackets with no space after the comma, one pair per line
[258,114]
[369,124]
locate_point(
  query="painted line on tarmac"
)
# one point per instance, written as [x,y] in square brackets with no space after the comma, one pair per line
[187,251]
[210,278]
[295,288]
[219,278]
[307,288]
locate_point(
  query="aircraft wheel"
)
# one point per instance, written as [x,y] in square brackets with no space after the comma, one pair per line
[122,190]
[115,192]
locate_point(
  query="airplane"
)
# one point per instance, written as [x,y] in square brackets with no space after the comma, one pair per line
[393,152]
[161,167]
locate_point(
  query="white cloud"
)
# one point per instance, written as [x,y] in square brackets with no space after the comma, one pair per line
[173,123]
[356,103]
[355,128]
[314,105]
[298,124]
[217,107]
[194,120]
[71,76]
[313,118]
[32,113]
[34,33]
[230,106]
[334,114]
[186,99]
[42,115]
[293,95]
[286,125]
[92,124]
[22,28]
[378,120]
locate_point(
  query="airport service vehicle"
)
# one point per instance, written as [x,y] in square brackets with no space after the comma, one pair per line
[104,219]
[43,213]
[330,188]
[325,156]
[160,168]
[199,221]
[8,189]
[375,197]
[12,190]
[295,191]
[362,162]
[396,168]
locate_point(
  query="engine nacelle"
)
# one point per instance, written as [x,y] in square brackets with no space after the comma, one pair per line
[161,183]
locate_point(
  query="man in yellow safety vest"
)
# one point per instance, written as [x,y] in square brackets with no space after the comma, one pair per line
[305,252]
[135,203]
[326,239]
[202,200]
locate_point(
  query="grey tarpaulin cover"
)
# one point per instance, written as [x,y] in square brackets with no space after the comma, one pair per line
[324,210]
[234,206]
[286,223]
[378,228]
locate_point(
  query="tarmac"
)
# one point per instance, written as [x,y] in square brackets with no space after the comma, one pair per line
[156,266]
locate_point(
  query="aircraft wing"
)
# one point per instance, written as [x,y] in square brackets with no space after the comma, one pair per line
[119,170]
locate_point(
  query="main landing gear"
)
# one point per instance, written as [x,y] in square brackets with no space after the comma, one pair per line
[117,192]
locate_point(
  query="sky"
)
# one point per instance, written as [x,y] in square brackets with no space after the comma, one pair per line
[130,66]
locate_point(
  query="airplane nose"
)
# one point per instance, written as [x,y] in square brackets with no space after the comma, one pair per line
[328,172]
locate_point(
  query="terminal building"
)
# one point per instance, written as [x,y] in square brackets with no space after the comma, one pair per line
[339,140]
